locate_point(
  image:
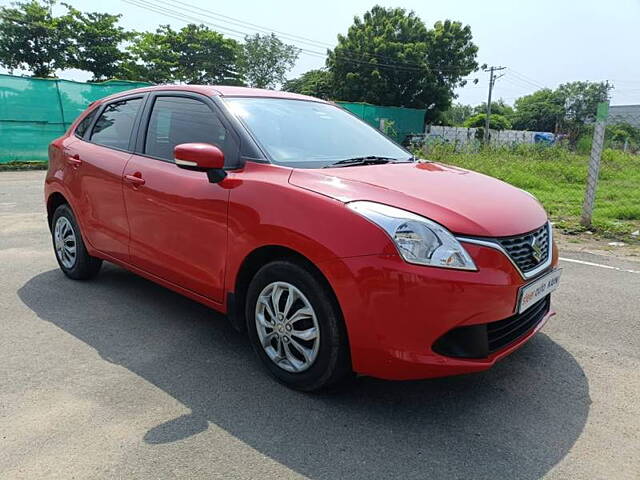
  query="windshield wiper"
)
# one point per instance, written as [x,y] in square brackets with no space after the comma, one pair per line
[369,160]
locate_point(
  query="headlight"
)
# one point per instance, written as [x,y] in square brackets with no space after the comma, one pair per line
[418,239]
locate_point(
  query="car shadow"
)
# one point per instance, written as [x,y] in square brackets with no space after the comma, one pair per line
[517,420]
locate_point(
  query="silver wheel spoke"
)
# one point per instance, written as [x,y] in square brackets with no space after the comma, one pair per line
[279,353]
[276,293]
[306,352]
[263,320]
[293,361]
[266,341]
[301,314]
[291,298]
[308,334]
[266,301]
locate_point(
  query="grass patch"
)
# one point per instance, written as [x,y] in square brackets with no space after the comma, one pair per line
[557,177]
[23,166]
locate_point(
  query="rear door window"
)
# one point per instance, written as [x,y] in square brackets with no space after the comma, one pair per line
[113,127]
[84,124]
[175,120]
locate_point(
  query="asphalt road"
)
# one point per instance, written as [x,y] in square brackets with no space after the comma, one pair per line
[120,378]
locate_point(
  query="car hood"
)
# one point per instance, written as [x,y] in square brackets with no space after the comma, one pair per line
[466,202]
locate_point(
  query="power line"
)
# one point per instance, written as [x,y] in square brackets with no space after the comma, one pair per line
[186,17]
[170,13]
[236,21]
[515,81]
[526,79]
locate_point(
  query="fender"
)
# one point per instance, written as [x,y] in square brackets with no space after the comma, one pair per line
[52,187]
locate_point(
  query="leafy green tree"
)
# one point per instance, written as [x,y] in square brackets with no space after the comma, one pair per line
[265,60]
[623,132]
[97,43]
[32,39]
[499,108]
[580,103]
[496,121]
[195,55]
[389,57]
[317,83]
[455,116]
[580,99]
[540,112]
[153,57]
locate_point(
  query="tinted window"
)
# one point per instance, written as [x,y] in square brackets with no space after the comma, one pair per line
[114,125]
[176,120]
[82,127]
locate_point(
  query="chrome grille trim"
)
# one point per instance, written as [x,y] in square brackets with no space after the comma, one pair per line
[495,244]
[520,247]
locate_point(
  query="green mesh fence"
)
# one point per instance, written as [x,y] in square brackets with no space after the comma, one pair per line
[397,122]
[34,111]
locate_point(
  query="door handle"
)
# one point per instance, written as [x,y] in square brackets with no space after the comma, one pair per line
[136,180]
[74,159]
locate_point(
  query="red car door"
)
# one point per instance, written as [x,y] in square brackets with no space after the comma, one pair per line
[178,220]
[97,162]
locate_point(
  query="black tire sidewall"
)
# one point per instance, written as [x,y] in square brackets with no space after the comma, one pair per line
[331,363]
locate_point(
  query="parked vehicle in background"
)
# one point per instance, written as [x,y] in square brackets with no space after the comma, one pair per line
[331,245]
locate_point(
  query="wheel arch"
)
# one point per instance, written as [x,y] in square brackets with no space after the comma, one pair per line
[54,200]
[255,260]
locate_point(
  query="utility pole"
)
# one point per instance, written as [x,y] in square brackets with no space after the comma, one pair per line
[597,144]
[492,81]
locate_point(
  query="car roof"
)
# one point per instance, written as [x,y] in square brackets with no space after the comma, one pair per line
[216,91]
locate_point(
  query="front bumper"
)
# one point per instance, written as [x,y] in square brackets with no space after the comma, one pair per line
[395,312]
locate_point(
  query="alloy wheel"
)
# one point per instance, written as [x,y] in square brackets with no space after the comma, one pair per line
[287,327]
[65,242]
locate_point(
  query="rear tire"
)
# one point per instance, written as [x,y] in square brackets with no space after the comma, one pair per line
[71,253]
[296,328]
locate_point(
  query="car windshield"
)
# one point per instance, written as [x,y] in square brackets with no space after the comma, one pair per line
[307,134]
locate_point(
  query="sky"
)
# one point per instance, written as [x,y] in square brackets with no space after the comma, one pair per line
[542,43]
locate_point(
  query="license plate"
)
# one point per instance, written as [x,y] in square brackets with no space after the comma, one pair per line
[538,289]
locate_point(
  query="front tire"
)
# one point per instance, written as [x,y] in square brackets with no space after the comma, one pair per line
[71,253]
[296,327]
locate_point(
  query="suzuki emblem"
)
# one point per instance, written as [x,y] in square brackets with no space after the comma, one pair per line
[536,250]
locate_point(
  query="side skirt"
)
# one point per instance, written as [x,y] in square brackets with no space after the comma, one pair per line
[218,306]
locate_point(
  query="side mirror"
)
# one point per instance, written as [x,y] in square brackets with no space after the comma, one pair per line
[201,156]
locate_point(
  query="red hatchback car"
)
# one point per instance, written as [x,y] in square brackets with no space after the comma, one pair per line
[335,248]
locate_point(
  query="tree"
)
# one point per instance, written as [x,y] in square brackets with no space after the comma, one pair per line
[317,83]
[580,103]
[456,115]
[97,43]
[265,60]
[32,39]
[499,108]
[541,111]
[195,54]
[389,57]
[623,133]
[581,99]
[496,121]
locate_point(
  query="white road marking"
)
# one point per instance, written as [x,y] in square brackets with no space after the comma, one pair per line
[591,264]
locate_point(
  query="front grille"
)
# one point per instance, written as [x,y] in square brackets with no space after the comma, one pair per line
[529,250]
[502,333]
[480,340]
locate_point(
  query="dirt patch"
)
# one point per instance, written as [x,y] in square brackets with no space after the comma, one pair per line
[584,242]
